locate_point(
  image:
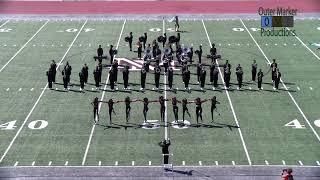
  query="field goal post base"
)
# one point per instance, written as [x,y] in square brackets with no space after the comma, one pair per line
[167,168]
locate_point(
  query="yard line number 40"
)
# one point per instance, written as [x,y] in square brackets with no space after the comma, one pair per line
[35,125]
[295,124]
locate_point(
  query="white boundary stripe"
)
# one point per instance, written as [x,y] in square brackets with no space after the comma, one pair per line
[294,101]
[4,23]
[230,102]
[23,46]
[104,91]
[35,104]
[165,96]
[280,165]
[306,46]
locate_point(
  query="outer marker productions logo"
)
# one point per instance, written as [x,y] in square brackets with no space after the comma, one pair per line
[277,21]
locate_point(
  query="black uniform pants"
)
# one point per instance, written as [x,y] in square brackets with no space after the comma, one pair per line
[82,84]
[143,83]
[186,84]
[184,110]
[202,82]
[112,84]
[128,109]
[116,76]
[215,82]
[85,78]
[276,83]
[54,76]
[227,81]
[139,52]
[50,84]
[170,82]
[145,111]
[175,112]
[240,82]
[254,74]
[157,80]
[126,82]
[199,113]
[130,45]
[259,84]
[65,83]
[97,82]
[162,112]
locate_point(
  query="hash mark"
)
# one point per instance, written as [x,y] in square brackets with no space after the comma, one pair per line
[20,89]
[8,89]
[311,88]
[66,163]
[267,163]
[16,164]
[266,44]
[250,88]
[283,162]
[276,44]
[298,88]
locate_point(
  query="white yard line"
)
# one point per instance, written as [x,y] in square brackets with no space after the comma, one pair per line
[292,98]
[4,23]
[165,96]
[23,46]
[306,46]
[230,102]
[104,91]
[36,103]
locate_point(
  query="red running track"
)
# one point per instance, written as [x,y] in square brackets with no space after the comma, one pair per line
[153,7]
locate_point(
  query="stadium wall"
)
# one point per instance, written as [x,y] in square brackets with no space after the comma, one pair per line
[153,7]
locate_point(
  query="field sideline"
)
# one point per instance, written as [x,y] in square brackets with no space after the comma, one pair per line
[42,127]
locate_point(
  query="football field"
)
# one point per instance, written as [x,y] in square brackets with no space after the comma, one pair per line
[43,127]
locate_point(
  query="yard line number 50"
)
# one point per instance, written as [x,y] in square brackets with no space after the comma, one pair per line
[35,125]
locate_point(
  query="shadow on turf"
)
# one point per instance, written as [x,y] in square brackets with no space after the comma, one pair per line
[187,172]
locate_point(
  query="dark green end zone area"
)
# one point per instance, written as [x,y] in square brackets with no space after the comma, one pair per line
[276,127]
